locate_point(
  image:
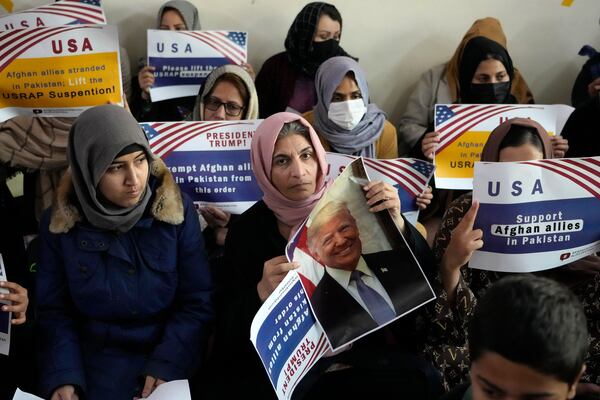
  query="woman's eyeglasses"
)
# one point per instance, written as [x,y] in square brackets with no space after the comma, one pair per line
[231,109]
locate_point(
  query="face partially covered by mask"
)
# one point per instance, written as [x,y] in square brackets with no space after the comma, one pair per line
[490,84]
[485,73]
[323,51]
[489,93]
[347,114]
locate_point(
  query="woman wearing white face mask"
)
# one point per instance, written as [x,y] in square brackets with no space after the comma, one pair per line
[343,117]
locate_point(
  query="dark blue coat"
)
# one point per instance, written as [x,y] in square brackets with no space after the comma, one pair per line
[115,307]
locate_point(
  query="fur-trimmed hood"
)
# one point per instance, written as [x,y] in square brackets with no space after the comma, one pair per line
[167,205]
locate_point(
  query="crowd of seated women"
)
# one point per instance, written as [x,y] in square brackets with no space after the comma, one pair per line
[131,287]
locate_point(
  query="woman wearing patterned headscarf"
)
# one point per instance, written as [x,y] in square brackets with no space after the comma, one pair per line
[125,293]
[286,80]
[517,139]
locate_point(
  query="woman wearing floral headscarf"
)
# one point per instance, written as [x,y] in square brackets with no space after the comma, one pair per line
[517,139]
[286,80]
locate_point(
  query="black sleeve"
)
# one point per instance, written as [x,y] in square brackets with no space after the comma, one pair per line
[579,94]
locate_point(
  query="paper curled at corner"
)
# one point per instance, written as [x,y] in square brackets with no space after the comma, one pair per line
[21,395]
[179,390]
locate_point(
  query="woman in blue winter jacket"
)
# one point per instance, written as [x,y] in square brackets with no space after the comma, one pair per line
[125,295]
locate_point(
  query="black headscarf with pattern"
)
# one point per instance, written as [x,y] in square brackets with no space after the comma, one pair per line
[299,40]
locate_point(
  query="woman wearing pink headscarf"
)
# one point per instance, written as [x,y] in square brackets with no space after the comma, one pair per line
[289,163]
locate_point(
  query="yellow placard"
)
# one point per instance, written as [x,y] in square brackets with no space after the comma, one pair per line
[458,159]
[81,80]
[7,4]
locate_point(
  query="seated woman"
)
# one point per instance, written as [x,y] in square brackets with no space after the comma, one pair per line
[175,15]
[124,291]
[440,85]
[587,84]
[581,129]
[517,139]
[347,122]
[485,76]
[286,80]
[227,94]
[344,118]
[289,164]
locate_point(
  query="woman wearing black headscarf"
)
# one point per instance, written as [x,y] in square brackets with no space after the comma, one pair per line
[486,73]
[125,294]
[286,80]
[485,77]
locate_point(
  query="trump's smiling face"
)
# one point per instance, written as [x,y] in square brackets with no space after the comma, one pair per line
[337,243]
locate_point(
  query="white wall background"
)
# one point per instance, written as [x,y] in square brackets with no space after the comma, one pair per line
[396,40]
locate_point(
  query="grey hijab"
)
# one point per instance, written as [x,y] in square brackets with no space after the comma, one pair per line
[360,141]
[251,111]
[95,139]
[188,12]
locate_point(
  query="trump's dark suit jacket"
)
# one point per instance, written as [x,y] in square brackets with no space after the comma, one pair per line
[344,319]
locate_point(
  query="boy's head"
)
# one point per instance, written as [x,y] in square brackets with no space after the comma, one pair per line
[528,339]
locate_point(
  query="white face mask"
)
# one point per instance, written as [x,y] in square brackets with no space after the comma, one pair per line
[347,114]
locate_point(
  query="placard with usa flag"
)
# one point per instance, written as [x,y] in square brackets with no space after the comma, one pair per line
[210,160]
[58,71]
[464,129]
[183,59]
[64,12]
[536,215]
[286,336]
[408,175]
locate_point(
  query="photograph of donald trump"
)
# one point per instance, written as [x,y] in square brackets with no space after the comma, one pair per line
[359,292]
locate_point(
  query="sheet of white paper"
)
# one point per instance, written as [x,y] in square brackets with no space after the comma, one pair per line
[20,395]
[179,390]
[15,185]
[563,112]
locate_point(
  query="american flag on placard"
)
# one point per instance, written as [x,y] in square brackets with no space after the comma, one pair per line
[409,173]
[585,172]
[451,121]
[165,137]
[15,42]
[231,44]
[82,11]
